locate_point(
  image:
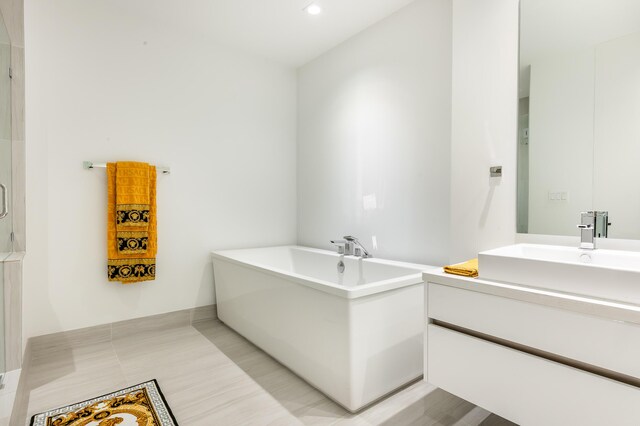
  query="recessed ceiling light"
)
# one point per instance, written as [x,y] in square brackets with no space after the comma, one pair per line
[313,9]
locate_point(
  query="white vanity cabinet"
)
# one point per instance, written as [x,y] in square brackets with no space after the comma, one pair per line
[533,356]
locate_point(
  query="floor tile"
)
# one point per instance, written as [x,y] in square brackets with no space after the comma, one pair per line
[211,375]
[72,375]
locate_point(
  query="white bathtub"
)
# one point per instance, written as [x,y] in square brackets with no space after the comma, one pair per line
[355,336]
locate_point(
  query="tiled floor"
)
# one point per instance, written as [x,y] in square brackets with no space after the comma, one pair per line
[212,376]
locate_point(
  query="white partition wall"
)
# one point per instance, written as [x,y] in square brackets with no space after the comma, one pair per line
[484,125]
[374,130]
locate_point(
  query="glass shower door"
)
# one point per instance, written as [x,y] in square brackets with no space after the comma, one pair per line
[6,220]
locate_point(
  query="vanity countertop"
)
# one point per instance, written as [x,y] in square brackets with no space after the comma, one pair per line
[586,305]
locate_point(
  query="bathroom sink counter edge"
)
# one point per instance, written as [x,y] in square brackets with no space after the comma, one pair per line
[627,312]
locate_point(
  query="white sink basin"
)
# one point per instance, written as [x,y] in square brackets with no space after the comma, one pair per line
[605,274]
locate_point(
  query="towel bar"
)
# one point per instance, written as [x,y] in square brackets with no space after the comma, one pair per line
[88,165]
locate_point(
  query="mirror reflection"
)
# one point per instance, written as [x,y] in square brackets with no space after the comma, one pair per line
[579,115]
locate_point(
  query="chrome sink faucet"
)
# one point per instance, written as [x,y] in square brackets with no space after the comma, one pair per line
[593,225]
[351,246]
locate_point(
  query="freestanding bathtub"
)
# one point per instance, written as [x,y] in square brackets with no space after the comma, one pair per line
[356,336]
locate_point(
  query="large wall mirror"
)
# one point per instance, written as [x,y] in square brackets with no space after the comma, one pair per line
[579,115]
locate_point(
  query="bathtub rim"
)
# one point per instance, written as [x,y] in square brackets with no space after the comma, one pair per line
[376,287]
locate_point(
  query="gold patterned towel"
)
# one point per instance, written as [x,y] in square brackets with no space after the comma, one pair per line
[465,269]
[132,207]
[131,223]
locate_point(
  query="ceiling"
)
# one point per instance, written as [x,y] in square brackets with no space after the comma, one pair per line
[276,29]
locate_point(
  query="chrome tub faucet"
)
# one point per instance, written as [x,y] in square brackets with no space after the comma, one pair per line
[351,246]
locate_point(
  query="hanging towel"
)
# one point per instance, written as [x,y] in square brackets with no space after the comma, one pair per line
[131,223]
[465,269]
[132,207]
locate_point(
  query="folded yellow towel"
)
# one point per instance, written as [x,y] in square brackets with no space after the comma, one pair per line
[465,269]
[131,222]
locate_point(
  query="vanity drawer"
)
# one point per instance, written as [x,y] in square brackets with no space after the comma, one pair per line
[596,341]
[524,388]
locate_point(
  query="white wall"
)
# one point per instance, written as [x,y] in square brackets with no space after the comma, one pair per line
[584,138]
[561,141]
[617,134]
[105,86]
[374,137]
[377,115]
[484,125]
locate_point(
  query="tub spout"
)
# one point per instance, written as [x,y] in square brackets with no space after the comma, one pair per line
[354,247]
